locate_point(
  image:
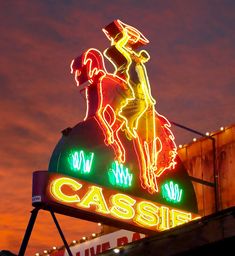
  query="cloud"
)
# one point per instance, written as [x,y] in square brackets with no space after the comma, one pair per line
[191,72]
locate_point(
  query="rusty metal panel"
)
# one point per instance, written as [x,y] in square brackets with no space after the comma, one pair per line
[198,159]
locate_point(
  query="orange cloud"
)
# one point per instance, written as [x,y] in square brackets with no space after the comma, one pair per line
[191,72]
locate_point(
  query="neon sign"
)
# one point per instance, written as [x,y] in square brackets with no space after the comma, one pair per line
[123,143]
[129,107]
[81,195]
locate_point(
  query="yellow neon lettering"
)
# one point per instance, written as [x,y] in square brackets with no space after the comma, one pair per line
[122,206]
[56,189]
[179,217]
[95,197]
[164,215]
[147,214]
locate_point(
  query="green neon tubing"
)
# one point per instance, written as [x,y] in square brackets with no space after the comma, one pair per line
[80,161]
[172,192]
[119,175]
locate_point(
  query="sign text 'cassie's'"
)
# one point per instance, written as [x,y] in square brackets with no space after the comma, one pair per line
[82,195]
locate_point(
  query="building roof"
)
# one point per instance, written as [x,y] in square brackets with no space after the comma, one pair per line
[210,235]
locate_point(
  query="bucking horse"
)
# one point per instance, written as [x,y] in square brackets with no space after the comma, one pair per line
[122,102]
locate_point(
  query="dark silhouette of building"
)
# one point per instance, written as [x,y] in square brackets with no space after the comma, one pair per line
[6,253]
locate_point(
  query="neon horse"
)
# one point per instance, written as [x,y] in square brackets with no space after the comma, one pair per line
[105,95]
[124,103]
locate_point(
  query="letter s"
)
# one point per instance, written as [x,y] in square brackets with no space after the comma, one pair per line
[122,206]
[147,214]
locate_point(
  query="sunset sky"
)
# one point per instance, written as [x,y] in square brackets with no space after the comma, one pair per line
[191,72]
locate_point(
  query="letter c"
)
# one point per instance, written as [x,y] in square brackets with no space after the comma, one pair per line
[56,189]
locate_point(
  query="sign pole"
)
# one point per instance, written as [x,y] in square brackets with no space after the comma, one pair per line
[61,233]
[28,231]
[30,226]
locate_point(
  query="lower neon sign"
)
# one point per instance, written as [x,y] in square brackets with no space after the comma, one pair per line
[81,195]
